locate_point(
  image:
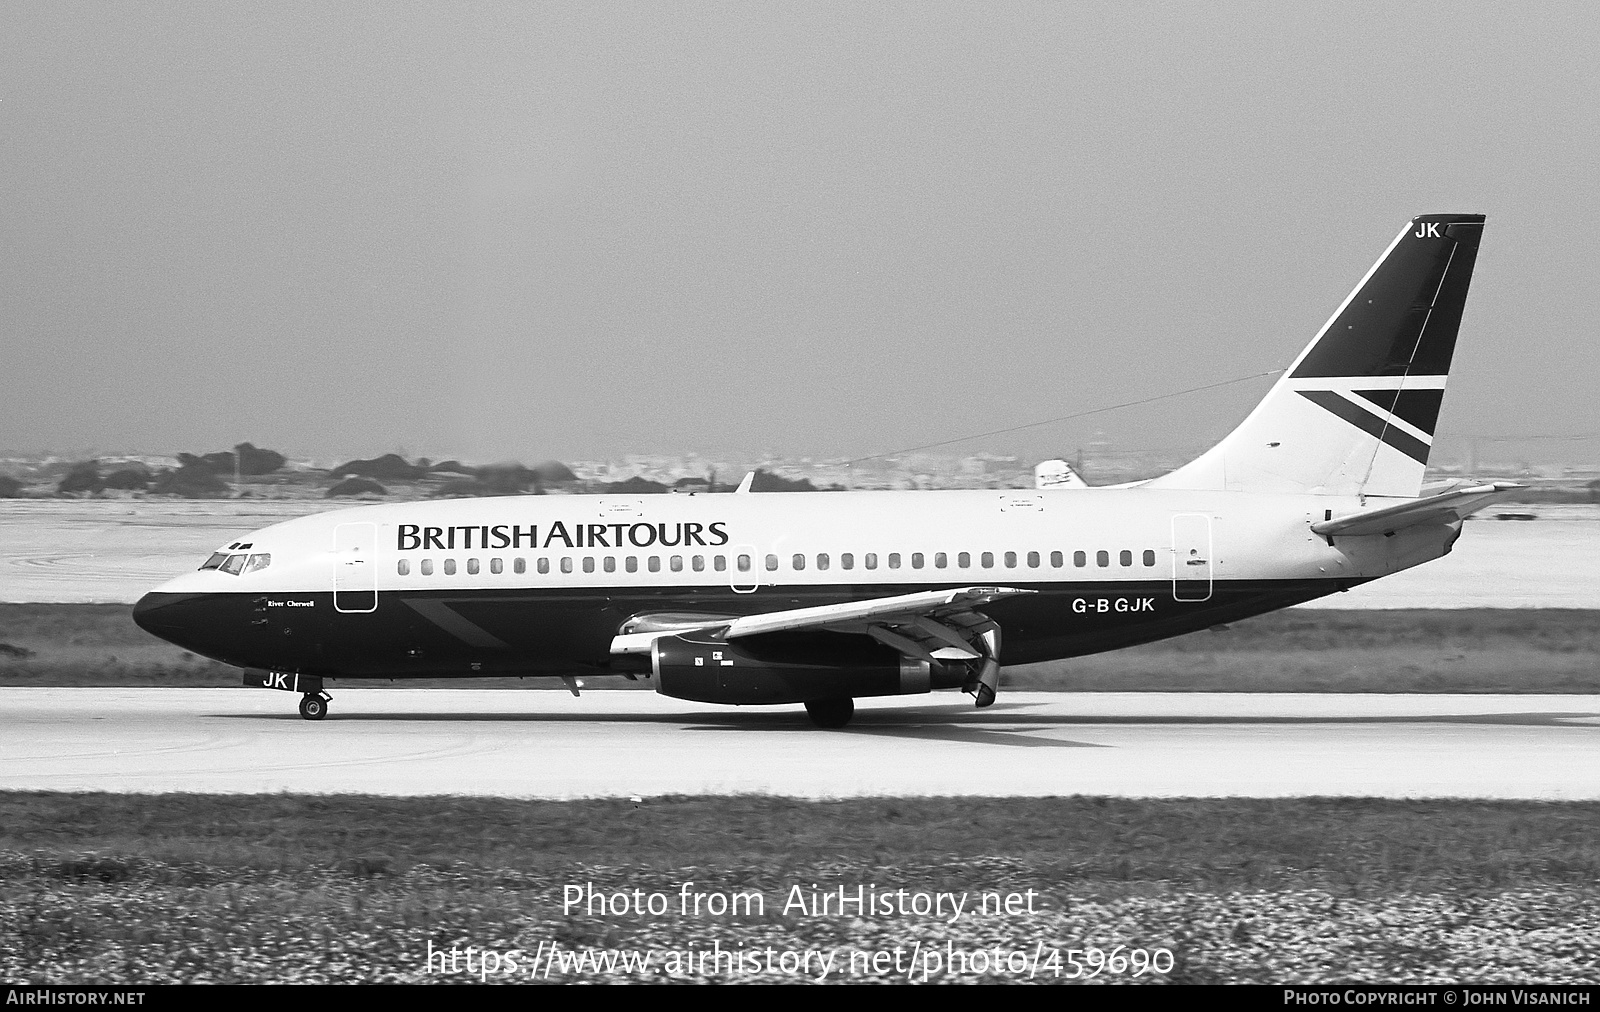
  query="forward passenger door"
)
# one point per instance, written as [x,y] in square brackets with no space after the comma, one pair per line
[355,567]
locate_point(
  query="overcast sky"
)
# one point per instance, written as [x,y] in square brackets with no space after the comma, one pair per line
[582,230]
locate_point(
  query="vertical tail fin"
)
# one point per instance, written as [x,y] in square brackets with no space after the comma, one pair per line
[1355,413]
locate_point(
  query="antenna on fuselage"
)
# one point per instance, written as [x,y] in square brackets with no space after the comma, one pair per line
[744,486]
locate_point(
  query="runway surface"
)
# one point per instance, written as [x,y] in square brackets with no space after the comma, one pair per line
[548,744]
[113,551]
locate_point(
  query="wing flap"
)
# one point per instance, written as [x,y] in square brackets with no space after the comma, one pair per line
[1448,507]
[901,610]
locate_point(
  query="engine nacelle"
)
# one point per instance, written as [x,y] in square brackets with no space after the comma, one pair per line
[790,668]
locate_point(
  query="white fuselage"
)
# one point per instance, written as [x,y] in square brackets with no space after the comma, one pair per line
[539,584]
[600,543]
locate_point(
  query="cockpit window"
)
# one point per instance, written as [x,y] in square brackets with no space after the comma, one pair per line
[237,563]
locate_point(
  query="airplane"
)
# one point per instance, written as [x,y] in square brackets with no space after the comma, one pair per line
[821,599]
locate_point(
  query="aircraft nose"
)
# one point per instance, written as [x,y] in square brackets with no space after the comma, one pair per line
[175,618]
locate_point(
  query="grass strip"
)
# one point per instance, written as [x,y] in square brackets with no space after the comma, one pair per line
[1298,650]
[192,888]
[1215,843]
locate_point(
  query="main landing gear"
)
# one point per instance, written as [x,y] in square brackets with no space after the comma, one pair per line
[314,705]
[831,712]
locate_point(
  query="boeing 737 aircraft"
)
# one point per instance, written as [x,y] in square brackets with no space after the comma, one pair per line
[821,598]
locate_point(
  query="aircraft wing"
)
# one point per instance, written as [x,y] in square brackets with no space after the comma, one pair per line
[1445,508]
[929,625]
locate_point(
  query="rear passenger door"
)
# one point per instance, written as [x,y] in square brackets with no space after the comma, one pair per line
[1191,557]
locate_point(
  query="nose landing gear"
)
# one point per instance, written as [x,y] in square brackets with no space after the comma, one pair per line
[313,701]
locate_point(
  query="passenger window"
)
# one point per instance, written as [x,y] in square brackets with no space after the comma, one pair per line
[404,568]
[588,563]
[894,560]
[497,565]
[234,565]
[676,563]
[847,561]
[427,567]
[566,563]
[720,564]
[653,563]
[520,566]
[1102,558]
[472,567]
[916,560]
[940,560]
[1033,560]
[1079,559]
[610,565]
[449,567]
[772,563]
[631,563]
[544,566]
[1056,560]
[799,562]
[744,563]
[1149,557]
[1011,560]
[699,563]
[987,559]
[822,561]
[1125,557]
[964,560]
[871,560]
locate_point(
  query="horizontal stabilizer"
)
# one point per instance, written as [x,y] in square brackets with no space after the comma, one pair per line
[1446,508]
[929,602]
